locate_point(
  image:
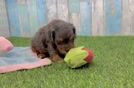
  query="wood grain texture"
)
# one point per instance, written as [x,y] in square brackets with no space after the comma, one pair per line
[62,10]
[90,17]
[41,12]
[113,16]
[75,20]
[13,17]
[51,10]
[85,12]
[23,19]
[74,14]
[74,6]
[128,17]
[97,18]
[32,9]
[4,27]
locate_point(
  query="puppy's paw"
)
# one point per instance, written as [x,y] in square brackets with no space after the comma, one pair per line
[41,56]
[48,61]
[56,58]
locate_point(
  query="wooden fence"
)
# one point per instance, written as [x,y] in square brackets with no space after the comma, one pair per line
[90,17]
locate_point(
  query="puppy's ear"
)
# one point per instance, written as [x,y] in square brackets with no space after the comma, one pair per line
[74,30]
[52,35]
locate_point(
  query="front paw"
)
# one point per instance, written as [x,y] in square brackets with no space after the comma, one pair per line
[41,56]
[56,58]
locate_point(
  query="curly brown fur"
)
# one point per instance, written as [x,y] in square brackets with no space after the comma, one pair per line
[54,40]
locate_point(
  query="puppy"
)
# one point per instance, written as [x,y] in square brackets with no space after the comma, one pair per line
[54,40]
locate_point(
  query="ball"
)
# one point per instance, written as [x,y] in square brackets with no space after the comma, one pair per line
[78,57]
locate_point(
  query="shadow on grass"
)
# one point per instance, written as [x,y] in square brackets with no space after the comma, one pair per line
[86,66]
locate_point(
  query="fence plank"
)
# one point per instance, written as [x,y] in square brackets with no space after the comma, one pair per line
[113,16]
[4,27]
[85,11]
[128,17]
[23,19]
[75,20]
[51,10]
[97,17]
[13,17]
[62,10]
[74,14]
[32,9]
[74,6]
[42,12]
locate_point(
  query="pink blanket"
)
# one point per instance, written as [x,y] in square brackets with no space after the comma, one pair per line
[21,58]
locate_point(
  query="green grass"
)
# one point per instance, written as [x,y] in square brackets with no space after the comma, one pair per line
[113,67]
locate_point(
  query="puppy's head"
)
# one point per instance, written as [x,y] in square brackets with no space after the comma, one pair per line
[64,36]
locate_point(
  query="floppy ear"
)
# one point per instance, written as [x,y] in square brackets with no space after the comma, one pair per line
[74,30]
[52,35]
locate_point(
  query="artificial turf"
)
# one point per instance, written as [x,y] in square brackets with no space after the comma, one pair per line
[112,67]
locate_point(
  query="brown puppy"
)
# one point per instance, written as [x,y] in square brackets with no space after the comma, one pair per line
[54,40]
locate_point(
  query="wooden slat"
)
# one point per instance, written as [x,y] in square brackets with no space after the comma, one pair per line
[113,16]
[128,17]
[132,17]
[90,17]
[13,17]
[32,9]
[51,10]
[4,27]
[85,12]
[62,10]
[97,18]
[23,19]
[74,6]
[74,15]
[42,12]
[75,20]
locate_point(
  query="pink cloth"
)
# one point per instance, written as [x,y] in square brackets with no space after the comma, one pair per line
[5,45]
[26,66]
[21,58]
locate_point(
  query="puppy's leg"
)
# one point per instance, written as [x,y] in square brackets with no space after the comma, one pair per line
[38,53]
[41,56]
[56,58]
[53,54]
